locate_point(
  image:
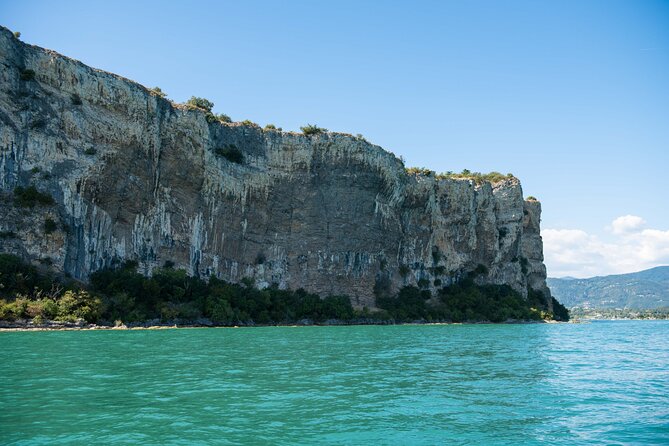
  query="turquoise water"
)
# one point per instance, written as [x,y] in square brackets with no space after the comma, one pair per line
[603,382]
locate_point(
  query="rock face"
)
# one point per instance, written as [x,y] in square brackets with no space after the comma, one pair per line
[137,177]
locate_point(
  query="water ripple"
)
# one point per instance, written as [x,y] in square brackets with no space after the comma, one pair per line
[599,383]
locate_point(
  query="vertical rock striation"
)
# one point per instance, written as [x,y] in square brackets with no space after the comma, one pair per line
[135,176]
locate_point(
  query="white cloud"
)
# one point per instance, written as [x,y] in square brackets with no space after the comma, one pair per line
[573,252]
[627,223]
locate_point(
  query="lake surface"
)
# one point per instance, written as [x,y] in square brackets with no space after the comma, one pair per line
[594,383]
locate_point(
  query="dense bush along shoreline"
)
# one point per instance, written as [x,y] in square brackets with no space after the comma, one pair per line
[171,296]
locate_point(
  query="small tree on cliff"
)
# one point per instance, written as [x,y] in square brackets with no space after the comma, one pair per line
[156,91]
[201,103]
[310,129]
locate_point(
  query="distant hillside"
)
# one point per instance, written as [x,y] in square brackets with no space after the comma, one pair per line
[642,290]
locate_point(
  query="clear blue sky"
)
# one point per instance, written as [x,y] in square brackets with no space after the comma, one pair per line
[570,96]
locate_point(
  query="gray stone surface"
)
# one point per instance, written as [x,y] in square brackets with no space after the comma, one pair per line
[136,177]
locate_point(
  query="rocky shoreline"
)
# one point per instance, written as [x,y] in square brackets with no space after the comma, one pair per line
[25,325]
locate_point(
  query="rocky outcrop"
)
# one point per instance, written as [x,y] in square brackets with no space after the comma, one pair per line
[135,176]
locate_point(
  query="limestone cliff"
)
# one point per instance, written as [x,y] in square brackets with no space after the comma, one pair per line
[135,176]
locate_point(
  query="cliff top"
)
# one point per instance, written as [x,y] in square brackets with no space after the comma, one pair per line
[203,107]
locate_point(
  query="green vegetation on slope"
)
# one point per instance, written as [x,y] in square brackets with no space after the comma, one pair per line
[466,301]
[171,295]
[646,289]
[617,313]
[25,293]
[205,105]
[477,177]
[560,312]
[156,91]
[310,129]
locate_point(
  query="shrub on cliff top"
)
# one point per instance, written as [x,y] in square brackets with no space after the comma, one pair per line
[156,91]
[201,103]
[211,118]
[224,118]
[272,127]
[531,198]
[419,171]
[311,129]
[477,177]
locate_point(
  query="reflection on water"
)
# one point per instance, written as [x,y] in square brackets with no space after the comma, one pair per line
[486,384]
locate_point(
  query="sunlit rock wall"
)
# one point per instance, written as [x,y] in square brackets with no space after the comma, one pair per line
[136,177]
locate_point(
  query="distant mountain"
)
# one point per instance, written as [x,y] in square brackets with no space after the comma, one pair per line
[646,289]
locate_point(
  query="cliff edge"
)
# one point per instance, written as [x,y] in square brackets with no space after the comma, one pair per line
[132,176]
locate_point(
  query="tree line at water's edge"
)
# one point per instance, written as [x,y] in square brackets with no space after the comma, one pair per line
[172,296]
